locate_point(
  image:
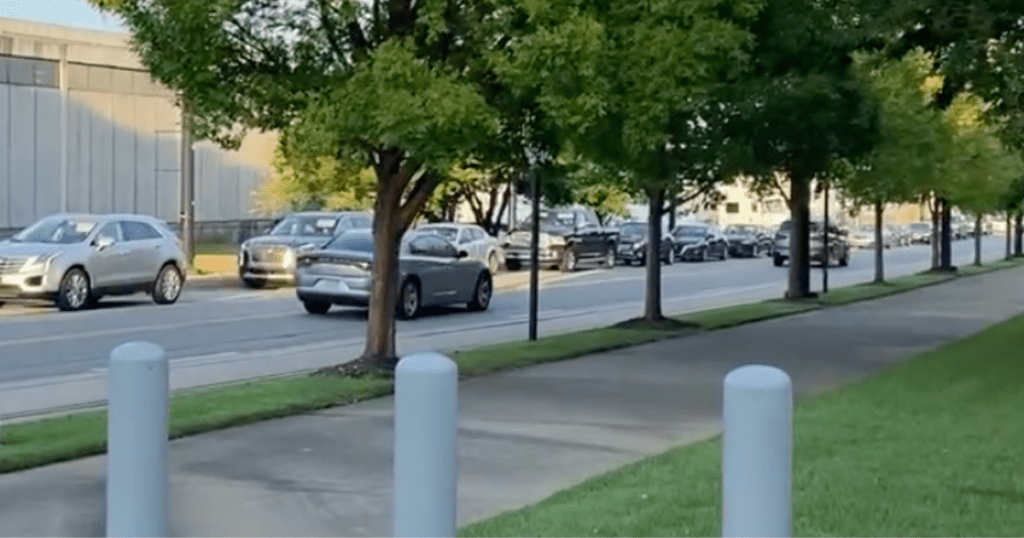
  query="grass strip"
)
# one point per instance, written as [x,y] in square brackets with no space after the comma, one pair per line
[929,447]
[215,248]
[40,442]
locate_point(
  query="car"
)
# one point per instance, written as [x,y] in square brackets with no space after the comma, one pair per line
[748,241]
[472,239]
[838,251]
[920,232]
[74,259]
[271,257]
[632,244]
[699,242]
[862,237]
[432,272]
[569,236]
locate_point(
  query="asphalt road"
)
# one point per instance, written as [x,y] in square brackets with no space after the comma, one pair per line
[37,342]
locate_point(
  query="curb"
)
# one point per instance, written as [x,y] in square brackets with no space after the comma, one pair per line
[231,281]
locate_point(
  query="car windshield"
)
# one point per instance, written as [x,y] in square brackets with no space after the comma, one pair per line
[355,242]
[633,228]
[446,232]
[63,231]
[921,227]
[740,229]
[691,231]
[306,225]
[556,219]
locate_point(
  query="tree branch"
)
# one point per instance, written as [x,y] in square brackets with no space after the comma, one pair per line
[331,30]
[417,199]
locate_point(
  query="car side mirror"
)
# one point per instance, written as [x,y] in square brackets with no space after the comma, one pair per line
[462,254]
[103,243]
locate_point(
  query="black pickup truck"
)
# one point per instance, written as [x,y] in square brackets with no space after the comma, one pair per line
[569,237]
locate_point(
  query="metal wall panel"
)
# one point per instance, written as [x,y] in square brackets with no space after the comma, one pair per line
[209,172]
[228,192]
[124,153]
[145,155]
[5,154]
[23,159]
[47,152]
[168,175]
[101,156]
[79,151]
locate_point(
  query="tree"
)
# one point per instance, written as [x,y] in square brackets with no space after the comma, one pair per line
[800,108]
[613,76]
[902,164]
[314,182]
[397,85]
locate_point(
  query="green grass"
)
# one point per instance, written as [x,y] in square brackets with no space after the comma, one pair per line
[930,447]
[864,292]
[215,248]
[34,443]
[968,270]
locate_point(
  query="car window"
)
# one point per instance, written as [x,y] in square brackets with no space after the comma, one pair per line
[431,245]
[356,242]
[111,231]
[56,230]
[138,231]
[466,236]
[344,223]
[361,222]
[478,234]
[448,232]
[691,231]
[306,225]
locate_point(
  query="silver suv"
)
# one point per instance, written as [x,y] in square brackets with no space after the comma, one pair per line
[272,257]
[75,259]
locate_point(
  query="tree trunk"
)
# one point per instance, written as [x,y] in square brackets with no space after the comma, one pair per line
[879,245]
[652,301]
[936,235]
[977,239]
[1018,228]
[946,250]
[799,239]
[380,325]
[495,225]
[1009,235]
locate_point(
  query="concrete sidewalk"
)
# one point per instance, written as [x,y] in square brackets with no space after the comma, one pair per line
[524,434]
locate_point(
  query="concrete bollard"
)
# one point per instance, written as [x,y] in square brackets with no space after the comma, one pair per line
[757,453]
[137,438]
[426,441]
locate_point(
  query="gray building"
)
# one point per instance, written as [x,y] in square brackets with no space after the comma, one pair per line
[83,127]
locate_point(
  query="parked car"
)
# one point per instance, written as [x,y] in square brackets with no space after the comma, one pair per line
[920,232]
[862,237]
[472,239]
[568,237]
[838,248]
[632,245]
[901,235]
[699,242]
[432,271]
[748,241]
[272,257]
[75,259]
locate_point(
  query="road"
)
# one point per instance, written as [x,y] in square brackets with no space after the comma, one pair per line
[38,342]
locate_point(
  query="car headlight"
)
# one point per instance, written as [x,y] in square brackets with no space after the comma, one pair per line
[639,246]
[289,258]
[41,262]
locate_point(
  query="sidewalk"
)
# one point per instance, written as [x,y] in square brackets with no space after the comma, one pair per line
[524,434]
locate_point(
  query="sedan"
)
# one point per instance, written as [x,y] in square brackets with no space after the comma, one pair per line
[473,239]
[432,272]
[75,259]
[699,242]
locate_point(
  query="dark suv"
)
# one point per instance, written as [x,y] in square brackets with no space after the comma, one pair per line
[568,237]
[838,251]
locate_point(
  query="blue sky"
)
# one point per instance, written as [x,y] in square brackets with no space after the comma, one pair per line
[78,13]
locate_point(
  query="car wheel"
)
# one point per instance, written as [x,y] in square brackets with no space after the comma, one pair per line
[316,307]
[167,287]
[74,291]
[725,255]
[482,293]
[568,260]
[668,258]
[704,255]
[609,258]
[778,260]
[255,283]
[513,265]
[845,260]
[493,264]
[409,300]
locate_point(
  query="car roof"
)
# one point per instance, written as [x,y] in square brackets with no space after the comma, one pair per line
[106,216]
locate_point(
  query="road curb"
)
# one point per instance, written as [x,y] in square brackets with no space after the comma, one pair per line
[231,281]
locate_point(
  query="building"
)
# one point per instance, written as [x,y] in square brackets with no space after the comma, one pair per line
[83,127]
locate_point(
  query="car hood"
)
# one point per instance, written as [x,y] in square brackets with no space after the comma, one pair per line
[740,237]
[686,240]
[289,240]
[9,249]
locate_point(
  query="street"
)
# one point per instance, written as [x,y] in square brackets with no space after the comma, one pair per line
[230,325]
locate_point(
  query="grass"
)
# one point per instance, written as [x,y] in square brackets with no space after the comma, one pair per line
[930,447]
[215,248]
[34,443]
[868,291]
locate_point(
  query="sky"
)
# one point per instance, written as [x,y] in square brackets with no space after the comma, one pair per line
[79,13]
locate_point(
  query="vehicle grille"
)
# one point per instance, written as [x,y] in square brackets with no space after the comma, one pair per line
[268,254]
[11,265]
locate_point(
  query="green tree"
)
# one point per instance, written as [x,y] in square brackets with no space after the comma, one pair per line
[614,76]
[401,86]
[902,165]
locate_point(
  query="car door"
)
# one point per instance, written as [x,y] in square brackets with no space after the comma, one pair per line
[106,265]
[142,256]
[432,262]
[587,227]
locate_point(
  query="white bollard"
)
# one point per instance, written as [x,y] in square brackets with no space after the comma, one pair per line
[757,453]
[137,438]
[426,441]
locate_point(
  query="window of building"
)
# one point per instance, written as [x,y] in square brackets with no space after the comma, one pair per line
[732,207]
[29,71]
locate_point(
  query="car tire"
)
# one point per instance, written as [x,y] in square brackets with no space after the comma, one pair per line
[255,283]
[725,255]
[74,291]
[513,265]
[609,258]
[668,259]
[409,299]
[493,264]
[167,286]
[777,260]
[845,260]
[318,308]
[482,293]
[569,261]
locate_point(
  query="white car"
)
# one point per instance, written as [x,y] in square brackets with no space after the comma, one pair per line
[471,238]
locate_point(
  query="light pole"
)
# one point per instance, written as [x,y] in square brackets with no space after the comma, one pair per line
[824,264]
[534,246]
[188,187]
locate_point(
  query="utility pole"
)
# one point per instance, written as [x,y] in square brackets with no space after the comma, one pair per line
[534,248]
[824,265]
[188,188]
